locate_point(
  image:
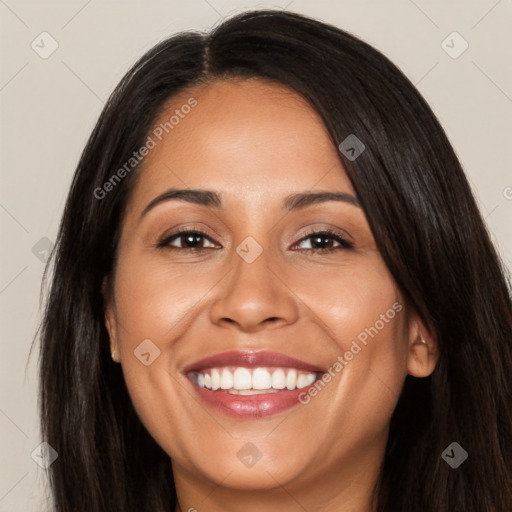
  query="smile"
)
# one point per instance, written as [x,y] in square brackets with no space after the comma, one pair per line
[251,384]
[252,381]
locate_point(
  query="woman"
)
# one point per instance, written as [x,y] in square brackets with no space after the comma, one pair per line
[273,290]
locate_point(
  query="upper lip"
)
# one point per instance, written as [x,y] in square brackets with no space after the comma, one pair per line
[251,359]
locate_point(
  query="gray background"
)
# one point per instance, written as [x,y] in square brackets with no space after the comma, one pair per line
[48,107]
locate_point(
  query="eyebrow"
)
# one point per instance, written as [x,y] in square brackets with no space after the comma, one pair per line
[213,200]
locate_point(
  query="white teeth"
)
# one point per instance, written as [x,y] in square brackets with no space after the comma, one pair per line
[261,379]
[215,379]
[251,381]
[251,391]
[304,380]
[301,381]
[278,379]
[242,379]
[226,379]
[291,379]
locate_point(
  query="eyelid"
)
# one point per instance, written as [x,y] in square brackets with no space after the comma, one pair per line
[165,239]
[342,240]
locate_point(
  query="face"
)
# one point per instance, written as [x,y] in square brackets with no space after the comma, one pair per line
[262,338]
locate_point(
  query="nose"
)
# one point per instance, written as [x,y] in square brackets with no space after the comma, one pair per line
[253,297]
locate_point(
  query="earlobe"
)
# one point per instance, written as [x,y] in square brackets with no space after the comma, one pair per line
[423,353]
[110,317]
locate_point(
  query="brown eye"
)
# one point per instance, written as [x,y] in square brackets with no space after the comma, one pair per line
[324,241]
[191,239]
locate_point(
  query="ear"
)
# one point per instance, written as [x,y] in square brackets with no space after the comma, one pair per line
[110,317]
[423,349]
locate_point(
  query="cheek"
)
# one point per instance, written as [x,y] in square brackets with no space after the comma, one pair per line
[351,299]
[361,310]
[156,301]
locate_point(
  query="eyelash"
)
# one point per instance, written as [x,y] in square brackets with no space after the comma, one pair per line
[344,244]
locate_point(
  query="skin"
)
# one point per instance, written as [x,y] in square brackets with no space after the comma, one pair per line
[255,143]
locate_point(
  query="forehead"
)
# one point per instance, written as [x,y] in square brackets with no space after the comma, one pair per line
[251,140]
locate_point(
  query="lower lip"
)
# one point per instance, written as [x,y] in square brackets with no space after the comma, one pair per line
[251,406]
